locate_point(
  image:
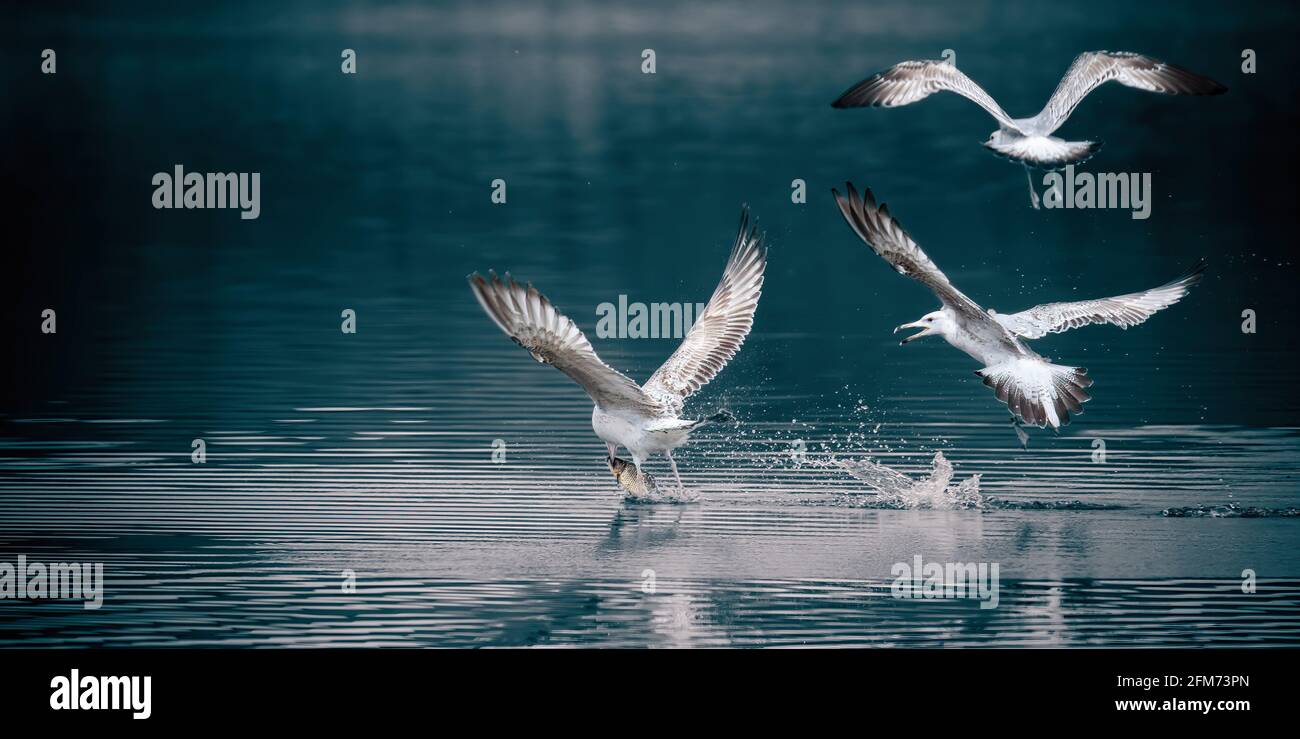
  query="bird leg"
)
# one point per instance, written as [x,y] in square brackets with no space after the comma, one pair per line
[676,476]
[1020,432]
[1033,195]
[612,449]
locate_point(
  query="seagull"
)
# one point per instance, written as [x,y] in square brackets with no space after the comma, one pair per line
[1030,140]
[645,419]
[1036,391]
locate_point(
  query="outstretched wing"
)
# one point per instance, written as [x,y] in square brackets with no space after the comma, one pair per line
[1122,310]
[719,331]
[907,82]
[532,322]
[1092,69]
[874,225]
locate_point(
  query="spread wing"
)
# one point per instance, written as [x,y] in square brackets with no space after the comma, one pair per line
[1122,310]
[907,82]
[874,225]
[718,332]
[532,322]
[1092,69]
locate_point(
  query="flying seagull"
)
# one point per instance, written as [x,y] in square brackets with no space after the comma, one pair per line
[1030,140]
[1036,391]
[645,419]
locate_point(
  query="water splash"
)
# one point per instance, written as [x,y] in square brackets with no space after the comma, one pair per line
[1230,510]
[664,495]
[1049,505]
[896,490]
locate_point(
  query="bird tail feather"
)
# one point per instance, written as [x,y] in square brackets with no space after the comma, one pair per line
[1044,152]
[1038,392]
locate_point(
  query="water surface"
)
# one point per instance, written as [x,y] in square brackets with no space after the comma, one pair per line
[373,452]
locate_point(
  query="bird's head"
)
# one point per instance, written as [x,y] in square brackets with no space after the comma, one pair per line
[937,322]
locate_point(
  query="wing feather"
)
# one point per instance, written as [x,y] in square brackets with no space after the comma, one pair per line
[1122,310]
[1037,391]
[527,317]
[721,328]
[1092,69]
[874,225]
[908,82]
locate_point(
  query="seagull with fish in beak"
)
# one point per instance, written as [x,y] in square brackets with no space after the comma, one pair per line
[644,419]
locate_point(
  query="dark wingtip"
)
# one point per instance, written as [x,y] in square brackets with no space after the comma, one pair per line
[1206,85]
[861,95]
[1195,274]
[1197,84]
[845,100]
[853,192]
[843,200]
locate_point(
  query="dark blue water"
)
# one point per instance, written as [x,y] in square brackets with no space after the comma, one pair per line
[373,452]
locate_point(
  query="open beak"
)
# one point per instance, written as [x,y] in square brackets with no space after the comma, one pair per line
[925,330]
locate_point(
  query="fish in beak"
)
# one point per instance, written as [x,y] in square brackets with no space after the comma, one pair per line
[925,331]
[637,483]
[616,465]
